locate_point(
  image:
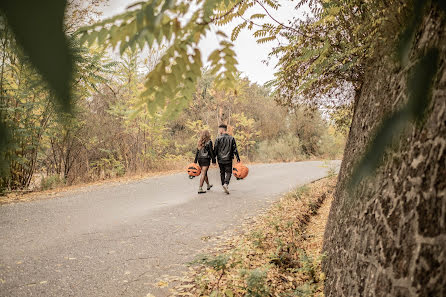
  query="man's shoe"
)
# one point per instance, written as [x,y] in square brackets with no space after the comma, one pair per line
[201,191]
[210,186]
[225,188]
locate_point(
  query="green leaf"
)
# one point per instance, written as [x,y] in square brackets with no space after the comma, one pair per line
[92,38]
[420,84]
[257,16]
[114,38]
[208,8]
[167,5]
[149,16]
[214,56]
[149,38]
[102,36]
[38,28]
[407,36]
[222,34]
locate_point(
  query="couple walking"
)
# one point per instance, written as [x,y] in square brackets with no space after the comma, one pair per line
[224,151]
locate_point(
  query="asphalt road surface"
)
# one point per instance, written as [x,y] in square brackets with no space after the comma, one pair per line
[118,240]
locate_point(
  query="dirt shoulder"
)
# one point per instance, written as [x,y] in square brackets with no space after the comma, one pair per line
[16,197]
[276,254]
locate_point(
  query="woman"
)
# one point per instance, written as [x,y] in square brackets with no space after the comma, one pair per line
[204,155]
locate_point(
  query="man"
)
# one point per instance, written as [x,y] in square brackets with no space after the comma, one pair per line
[225,148]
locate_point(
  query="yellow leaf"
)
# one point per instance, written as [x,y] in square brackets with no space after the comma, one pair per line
[162,284]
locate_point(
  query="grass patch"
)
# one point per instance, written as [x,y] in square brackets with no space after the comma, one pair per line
[277,255]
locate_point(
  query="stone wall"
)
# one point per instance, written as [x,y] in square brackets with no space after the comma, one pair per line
[388,238]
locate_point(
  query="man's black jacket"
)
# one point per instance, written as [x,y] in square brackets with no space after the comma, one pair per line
[225,148]
[205,153]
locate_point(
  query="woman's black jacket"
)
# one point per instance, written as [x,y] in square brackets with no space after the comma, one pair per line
[206,152]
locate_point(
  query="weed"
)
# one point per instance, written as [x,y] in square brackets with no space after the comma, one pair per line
[310,267]
[255,283]
[299,192]
[275,224]
[332,171]
[218,263]
[306,290]
[331,168]
[257,238]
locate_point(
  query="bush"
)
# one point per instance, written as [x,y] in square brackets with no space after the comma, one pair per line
[286,148]
[51,182]
[109,166]
[255,283]
[332,144]
[218,263]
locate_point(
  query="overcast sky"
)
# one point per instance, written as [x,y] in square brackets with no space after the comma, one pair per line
[249,54]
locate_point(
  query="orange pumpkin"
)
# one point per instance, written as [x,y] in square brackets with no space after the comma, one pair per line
[240,171]
[193,169]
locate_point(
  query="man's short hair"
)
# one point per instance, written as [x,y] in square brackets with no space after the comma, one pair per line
[223,126]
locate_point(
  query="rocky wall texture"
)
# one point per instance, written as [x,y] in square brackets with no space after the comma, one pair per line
[388,238]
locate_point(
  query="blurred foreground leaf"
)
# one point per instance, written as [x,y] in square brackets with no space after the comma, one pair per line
[419,84]
[407,35]
[38,28]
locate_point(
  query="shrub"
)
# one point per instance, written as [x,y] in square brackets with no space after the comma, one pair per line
[51,182]
[109,165]
[255,283]
[218,262]
[257,238]
[332,144]
[285,149]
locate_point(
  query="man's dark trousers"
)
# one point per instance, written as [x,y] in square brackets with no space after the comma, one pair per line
[225,172]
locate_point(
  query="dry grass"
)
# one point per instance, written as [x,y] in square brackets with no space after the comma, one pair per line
[278,254]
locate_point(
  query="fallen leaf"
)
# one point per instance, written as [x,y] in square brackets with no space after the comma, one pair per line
[162,284]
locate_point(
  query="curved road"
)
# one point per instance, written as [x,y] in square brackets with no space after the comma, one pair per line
[118,240]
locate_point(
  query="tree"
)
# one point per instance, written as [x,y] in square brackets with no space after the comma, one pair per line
[341,117]
[245,133]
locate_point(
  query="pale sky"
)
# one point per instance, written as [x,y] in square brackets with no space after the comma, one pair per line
[249,54]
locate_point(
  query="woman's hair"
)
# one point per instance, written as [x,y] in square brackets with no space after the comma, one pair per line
[205,136]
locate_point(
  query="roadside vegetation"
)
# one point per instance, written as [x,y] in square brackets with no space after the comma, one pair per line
[103,137]
[276,254]
[102,140]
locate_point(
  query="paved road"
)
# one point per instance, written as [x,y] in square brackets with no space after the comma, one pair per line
[117,240]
